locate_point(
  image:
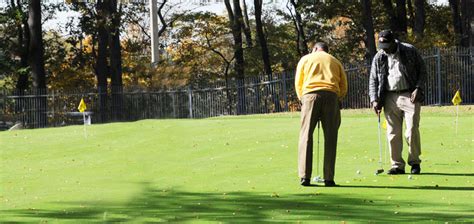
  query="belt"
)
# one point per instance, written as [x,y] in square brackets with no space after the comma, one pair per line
[400,91]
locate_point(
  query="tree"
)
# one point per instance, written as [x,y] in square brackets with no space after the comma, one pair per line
[302,45]
[114,14]
[369,29]
[454,4]
[199,39]
[21,49]
[69,61]
[438,29]
[402,17]
[212,34]
[467,14]
[419,25]
[36,60]
[397,17]
[6,63]
[103,25]
[167,22]
[235,21]
[261,38]
[246,23]
[101,65]
[461,21]
[264,49]
[391,15]
[24,47]
[410,13]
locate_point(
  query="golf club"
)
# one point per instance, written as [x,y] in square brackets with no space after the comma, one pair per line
[318,178]
[379,171]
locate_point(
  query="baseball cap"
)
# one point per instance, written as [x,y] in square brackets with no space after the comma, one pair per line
[386,38]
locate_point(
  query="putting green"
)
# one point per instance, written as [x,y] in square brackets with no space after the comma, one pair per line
[231,169]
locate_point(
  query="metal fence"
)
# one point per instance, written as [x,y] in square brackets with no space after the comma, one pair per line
[448,70]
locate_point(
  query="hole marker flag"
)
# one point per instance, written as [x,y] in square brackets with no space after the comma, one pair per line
[82,106]
[457,98]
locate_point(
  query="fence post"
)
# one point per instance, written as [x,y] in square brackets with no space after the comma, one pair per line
[173,102]
[283,78]
[52,112]
[190,99]
[3,104]
[438,74]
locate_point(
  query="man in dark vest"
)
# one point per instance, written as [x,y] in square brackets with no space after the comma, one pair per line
[396,83]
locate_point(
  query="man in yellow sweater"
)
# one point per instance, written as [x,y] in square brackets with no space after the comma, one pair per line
[320,84]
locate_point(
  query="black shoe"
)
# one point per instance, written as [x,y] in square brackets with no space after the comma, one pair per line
[330,183]
[395,171]
[415,169]
[305,182]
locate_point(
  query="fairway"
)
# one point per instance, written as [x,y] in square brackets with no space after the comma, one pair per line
[231,169]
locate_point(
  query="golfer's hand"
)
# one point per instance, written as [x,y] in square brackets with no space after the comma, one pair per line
[417,96]
[375,106]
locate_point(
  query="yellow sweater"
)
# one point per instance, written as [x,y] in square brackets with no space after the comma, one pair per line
[320,71]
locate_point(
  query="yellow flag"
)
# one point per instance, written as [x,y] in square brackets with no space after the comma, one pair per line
[457,98]
[82,106]
[384,124]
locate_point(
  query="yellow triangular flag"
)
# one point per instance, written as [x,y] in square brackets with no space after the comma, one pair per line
[384,124]
[457,98]
[82,106]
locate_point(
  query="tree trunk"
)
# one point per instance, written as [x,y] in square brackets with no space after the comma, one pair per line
[227,87]
[246,23]
[235,19]
[420,16]
[261,37]
[402,18]
[23,35]
[157,33]
[36,62]
[369,29]
[454,4]
[303,46]
[466,18]
[116,60]
[265,54]
[22,47]
[101,67]
[298,49]
[391,15]
[239,52]
[411,15]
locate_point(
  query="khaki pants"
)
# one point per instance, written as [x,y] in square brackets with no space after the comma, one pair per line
[398,107]
[323,106]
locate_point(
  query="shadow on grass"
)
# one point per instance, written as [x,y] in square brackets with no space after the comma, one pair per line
[450,174]
[413,188]
[153,205]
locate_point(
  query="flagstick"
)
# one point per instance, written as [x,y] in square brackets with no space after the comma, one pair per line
[84,120]
[457,115]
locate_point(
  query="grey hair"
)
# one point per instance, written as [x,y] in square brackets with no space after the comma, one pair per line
[321,45]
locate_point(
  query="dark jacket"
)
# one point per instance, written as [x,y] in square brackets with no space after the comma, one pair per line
[412,62]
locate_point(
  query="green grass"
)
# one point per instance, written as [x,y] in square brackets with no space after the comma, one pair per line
[230,169]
